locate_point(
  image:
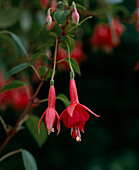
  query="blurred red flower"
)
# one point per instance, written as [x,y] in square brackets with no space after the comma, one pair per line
[77,54]
[16,98]
[44,3]
[107,37]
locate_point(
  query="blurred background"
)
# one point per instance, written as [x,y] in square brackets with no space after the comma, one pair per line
[108,85]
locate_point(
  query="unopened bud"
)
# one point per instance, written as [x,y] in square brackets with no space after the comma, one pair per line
[49,19]
[75,16]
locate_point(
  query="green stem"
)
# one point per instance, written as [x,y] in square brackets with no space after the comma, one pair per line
[79,24]
[34,69]
[55,54]
[43,100]
[69,57]
[4,125]
[10,154]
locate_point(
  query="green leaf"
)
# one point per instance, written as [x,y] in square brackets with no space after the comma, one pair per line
[38,55]
[17,69]
[71,43]
[8,17]
[18,42]
[42,70]
[49,74]
[114,1]
[32,125]
[64,99]
[60,15]
[12,85]
[74,64]
[28,160]
[78,6]
[56,30]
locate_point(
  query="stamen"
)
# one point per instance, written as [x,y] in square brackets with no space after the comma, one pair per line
[78,139]
[71,130]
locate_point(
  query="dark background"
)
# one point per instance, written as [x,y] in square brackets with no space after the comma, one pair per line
[109,86]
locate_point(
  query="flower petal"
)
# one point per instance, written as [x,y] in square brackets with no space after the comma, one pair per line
[81,126]
[58,124]
[86,108]
[49,119]
[71,108]
[41,121]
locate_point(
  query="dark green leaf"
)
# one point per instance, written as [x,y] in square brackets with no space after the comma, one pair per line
[12,85]
[114,1]
[42,70]
[71,43]
[70,25]
[38,55]
[75,65]
[18,42]
[60,15]
[8,17]
[17,69]
[64,99]
[56,30]
[78,6]
[32,125]
[49,74]
[28,160]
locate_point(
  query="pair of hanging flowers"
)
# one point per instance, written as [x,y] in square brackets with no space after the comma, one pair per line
[76,114]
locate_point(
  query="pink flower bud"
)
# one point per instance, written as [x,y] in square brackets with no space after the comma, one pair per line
[49,19]
[75,15]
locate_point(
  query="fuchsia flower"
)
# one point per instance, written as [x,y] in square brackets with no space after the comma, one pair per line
[104,38]
[50,113]
[44,3]
[75,15]
[75,115]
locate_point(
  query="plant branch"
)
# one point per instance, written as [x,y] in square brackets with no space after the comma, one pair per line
[13,131]
[10,154]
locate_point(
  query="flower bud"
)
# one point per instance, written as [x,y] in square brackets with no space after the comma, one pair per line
[75,16]
[49,19]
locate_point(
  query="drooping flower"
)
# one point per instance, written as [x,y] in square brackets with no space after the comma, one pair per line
[107,37]
[50,113]
[75,16]
[75,115]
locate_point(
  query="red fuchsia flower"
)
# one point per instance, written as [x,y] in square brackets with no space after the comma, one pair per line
[16,98]
[50,113]
[105,37]
[20,98]
[75,115]
[75,16]
[77,54]
[44,3]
